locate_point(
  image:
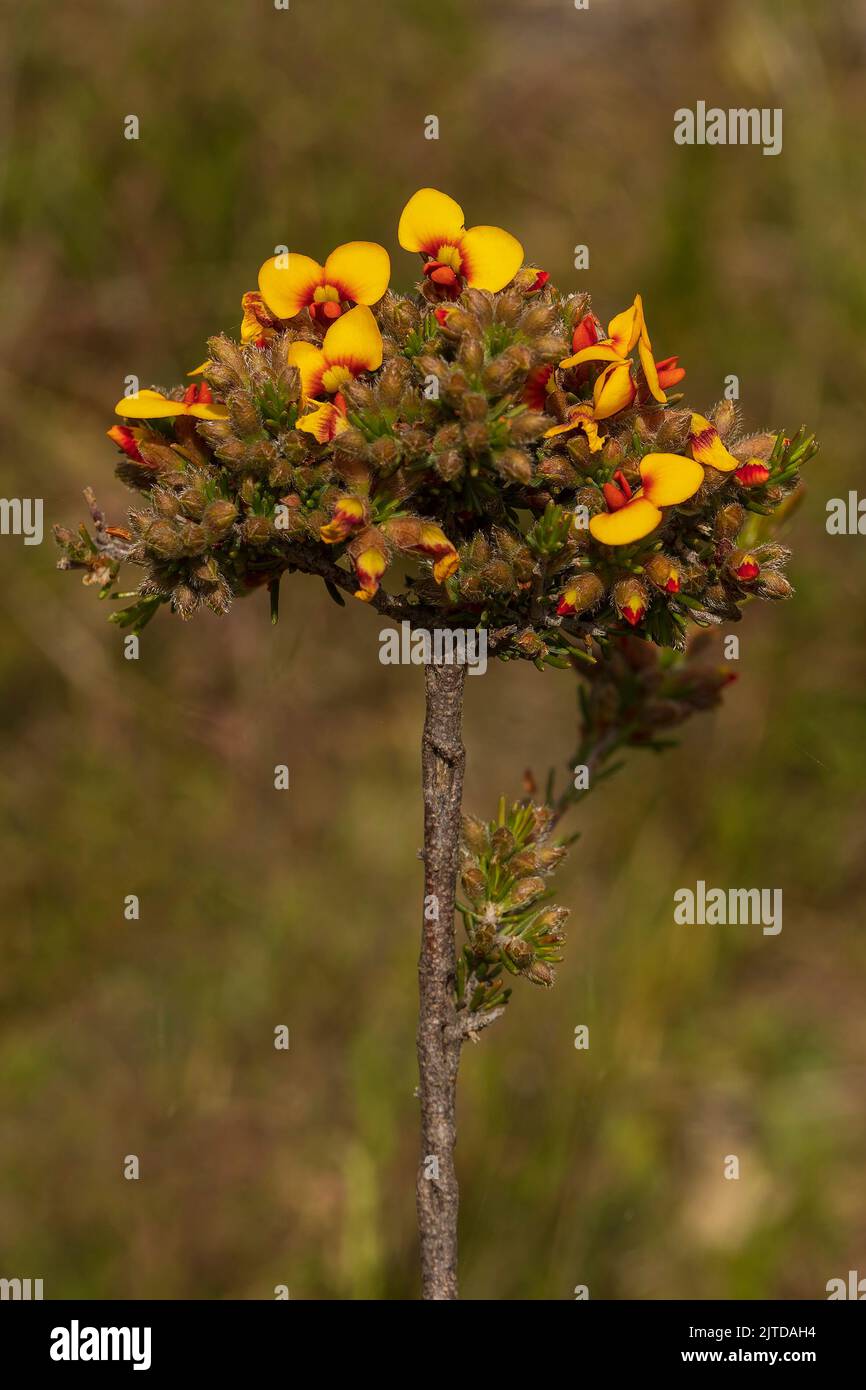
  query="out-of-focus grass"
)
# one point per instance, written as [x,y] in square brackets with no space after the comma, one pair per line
[258,908]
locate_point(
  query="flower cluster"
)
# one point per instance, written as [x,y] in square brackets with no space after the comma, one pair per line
[479,452]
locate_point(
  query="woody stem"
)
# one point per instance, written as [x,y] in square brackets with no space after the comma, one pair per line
[438,1041]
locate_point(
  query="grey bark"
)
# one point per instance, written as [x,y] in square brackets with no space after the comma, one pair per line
[439,1039]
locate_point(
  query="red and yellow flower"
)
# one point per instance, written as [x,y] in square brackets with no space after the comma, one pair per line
[349,513]
[258,324]
[485,258]
[128,440]
[352,345]
[707,447]
[666,479]
[613,390]
[153,405]
[625,332]
[326,420]
[370,565]
[630,599]
[357,272]
[434,545]
[752,474]
[744,566]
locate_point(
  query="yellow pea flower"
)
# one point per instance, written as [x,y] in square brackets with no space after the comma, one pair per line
[326,420]
[485,258]
[707,447]
[153,405]
[370,565]
[433,542]
[667,479]
[352,345]
[624,331]
[349,513]
[614,390]
[358,271]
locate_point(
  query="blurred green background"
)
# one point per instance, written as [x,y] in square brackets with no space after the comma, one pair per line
[260,127]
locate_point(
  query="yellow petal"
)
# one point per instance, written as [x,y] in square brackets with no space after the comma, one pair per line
[489,257]
[624,329]
[614,390]
[647,361]
[353,341]
[599,352]
[288,283]
[360,270]
[207,412]
[324,423]
[149,405]
[445,566]
[631,523]
[370,565]
[579,417]
[429,219]
[669,478]
[707,447]
[311,363]
[202,367]
[251,328]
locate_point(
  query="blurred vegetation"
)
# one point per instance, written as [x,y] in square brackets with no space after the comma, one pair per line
[155,777]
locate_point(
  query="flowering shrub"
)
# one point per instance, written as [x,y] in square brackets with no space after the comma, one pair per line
[481,453]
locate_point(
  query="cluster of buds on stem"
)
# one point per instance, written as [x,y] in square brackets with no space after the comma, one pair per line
[511,926]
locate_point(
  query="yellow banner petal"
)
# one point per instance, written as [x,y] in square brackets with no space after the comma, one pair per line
[708,448]
[354,341]
[149,405]
[359,270]
[207,412]
[311,363]
[631,523]
[489,257]
[287,288]
[669,478]
[429,219]
[624,329]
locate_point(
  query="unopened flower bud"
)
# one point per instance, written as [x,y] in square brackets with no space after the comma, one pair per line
[743,565]
[519,952]
[724,417]
[552,919]
[475,834]
[583,593]
[349,513]
[663,572]
[257,530]
[729,521]
[540,973]
[752,474]
[774,585]
[474,883]
[756,446]
[515,465]
[163,540]
[218,518]
[630,599]
[526,891]
[524,863]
